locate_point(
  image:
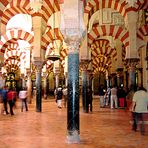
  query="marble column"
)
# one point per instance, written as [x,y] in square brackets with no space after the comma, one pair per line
[45,85]
[56,80]
[84,65]
[38,65]
[29,87]
[84,91]
[140,75]
[73,92]
[132,62]
[23,81]
[119,76]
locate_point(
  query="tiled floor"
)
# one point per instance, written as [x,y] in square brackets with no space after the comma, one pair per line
[104,128]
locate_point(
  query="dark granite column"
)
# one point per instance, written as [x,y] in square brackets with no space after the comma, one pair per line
[84,65]
[29,86]
[132,71]
[38,87]
[73,93]
[84,92]
[119,77]
[45,74]
[140,74]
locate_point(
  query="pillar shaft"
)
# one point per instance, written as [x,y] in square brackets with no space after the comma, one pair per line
[73,93]
[38,91]
[29,86]
[132,71]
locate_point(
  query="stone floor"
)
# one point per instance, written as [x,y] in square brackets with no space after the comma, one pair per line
[104,128]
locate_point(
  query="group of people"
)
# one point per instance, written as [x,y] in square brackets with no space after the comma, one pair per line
[118,97]
[112,97]
[9,96]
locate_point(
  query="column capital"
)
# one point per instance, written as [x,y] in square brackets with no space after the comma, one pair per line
[132,62]
[84,64]
[73,44]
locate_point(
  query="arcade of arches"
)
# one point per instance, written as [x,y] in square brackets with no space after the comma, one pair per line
[76,43]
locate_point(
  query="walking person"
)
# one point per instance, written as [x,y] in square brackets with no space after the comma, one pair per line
[23,98]
[65,96]
[139,108]
[90,99]
[114,99]
[4,97]
[11,96]
[59,94]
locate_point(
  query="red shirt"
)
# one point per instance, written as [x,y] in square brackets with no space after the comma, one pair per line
[11,95]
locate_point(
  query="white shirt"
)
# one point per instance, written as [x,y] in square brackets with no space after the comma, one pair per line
[141,99]
[23,94]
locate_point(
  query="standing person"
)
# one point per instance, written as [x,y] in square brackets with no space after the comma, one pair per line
[139,108]
[65,96]
[23,98]
[11,96]
[114,100]
[90,98]
[121,94]
[4,97]
[59,94]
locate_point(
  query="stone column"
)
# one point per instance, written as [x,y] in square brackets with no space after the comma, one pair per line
[29,87]
[38,65]
[66,79]
[73,92]
[45,85]
[131,51]
[23,81]
[84,65]
[56,80]
[119,76]
[140,75]
[132,67]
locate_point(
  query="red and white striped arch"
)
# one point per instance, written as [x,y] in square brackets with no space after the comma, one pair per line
[143,31]
[3,4]
[102,47]
[48,8]
[13,50]
[120,5]
[16,7]
[49,36]
[23,7]
[63,54]
[109,30]
[14,35]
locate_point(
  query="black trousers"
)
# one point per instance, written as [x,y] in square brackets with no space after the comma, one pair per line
[24,101]
[5,106]
[11,104]
[138,117]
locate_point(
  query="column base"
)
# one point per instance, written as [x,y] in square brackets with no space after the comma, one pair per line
[73,137]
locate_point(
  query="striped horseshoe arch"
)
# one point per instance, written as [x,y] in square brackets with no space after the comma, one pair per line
[95,5]
[102,47]
[48,8]
[63,54]
[110,30]
[120,5]
[49,36]
[13,50]
[16,7]
[143,31]
[14,35]
[3,4]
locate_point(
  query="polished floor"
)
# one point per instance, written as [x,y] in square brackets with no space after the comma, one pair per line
[103,128]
